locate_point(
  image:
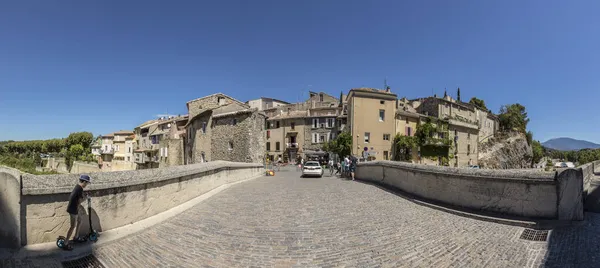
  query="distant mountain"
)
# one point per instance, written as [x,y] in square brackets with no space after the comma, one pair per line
[568,144]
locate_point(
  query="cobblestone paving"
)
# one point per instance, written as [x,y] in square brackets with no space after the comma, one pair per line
[286,221]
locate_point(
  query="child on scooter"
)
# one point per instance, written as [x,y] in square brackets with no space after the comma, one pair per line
[75,200]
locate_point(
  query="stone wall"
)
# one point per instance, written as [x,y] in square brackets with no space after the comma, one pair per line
[588,176]
[200,105]
[83,167]
[10,209]
[239,142]
[199,142]
[531,194]
[118,198]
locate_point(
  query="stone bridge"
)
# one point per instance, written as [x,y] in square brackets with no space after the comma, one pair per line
[223,214]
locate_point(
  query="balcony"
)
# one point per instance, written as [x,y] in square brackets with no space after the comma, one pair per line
[107,151]
[153,159]
[140,158]
[292,145]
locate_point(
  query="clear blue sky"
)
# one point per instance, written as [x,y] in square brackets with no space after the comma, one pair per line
[102,66]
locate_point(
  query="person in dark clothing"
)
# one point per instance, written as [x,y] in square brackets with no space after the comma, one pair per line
[353,163]
[75,200]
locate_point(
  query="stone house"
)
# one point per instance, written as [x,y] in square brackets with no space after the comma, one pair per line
[462,128]
[372,122]
[158,142]
[116,151]
[264,103]
[301,129]
[223,128]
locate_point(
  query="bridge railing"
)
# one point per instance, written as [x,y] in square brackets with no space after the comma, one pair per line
[36,213]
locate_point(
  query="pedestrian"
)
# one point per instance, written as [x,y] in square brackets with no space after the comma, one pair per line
[330,166]
[338,168]
[353,164]
[75,200]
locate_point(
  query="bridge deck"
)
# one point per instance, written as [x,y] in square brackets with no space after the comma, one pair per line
[287,221]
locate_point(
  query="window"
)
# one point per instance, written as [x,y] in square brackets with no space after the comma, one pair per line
[203,127]
[128,150]
[330,122]
[408,131]
[235,121]
[277,146]
[268,134]
[292,125]
[315,122]
[268,146]
[385,155]
[166,152]
[322,138]
[314,138]
[230,145]
[321,97]
[367,137]
[381,102]
[277,124]
[468,149]
[381,115]
[386,137]
[128,159]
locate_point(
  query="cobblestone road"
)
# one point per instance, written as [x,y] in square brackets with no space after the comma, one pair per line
[286,221]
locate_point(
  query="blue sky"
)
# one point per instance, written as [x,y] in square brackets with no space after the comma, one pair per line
[102,66]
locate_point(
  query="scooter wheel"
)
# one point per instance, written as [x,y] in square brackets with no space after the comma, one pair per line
[94,236]
[60,243]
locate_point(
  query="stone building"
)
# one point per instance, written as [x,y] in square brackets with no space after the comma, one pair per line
[159,142]
[223,128]
[302,129]
[462,127]
[116,151]
[264,103]
[371,120]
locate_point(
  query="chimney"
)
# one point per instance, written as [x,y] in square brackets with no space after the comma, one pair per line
[388,89]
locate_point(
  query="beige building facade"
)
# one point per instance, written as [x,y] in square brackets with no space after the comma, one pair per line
[266,103]
[372,123]
[462,128]
[116,151]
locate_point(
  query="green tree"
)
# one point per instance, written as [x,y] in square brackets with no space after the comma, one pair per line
[513,117]
[403,147]
[83,138]
[341,145]
[538,151]
[479,103]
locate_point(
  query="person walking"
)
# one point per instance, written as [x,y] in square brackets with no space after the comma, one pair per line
[330,166]
[353,163]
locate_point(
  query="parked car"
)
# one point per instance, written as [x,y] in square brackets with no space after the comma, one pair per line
[474,167]
[312,168]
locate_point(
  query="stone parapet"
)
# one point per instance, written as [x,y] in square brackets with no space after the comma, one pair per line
[118,198]
[521,193]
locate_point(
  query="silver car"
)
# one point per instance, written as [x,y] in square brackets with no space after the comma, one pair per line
[312,168]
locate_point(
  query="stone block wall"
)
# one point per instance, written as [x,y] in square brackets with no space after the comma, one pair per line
[198,141]
[10,209]
[118,198]
[82,167]
[531,194]
[588,171]
[198,106]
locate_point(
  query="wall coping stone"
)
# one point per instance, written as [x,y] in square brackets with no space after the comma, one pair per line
[64,183]
[12,171]
[524,176]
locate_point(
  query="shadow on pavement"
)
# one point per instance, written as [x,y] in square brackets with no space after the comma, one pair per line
[577,245]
